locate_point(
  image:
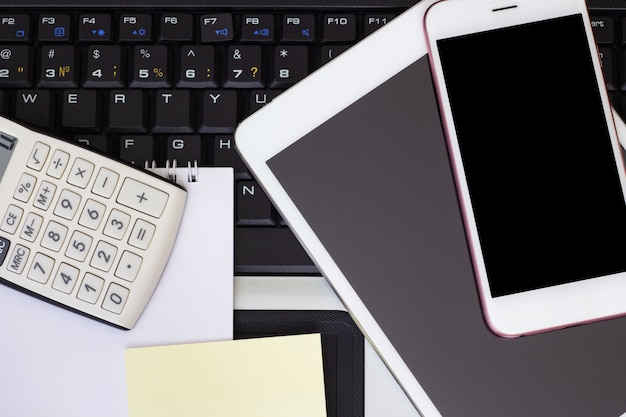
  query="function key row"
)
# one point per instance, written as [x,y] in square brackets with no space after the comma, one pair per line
[181,27]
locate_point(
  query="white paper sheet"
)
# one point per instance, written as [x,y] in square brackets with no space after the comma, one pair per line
[56,363]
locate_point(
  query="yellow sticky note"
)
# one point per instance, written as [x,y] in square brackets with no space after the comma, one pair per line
[265,377]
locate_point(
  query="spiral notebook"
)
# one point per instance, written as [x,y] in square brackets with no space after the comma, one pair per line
[57,363]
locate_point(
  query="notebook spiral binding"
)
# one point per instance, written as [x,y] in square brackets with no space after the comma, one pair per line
[171,170]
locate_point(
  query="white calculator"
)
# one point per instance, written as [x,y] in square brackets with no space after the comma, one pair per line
[80,229]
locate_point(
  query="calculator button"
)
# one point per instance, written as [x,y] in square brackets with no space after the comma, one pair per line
[25,187]
[80,174]
[38,156]
[117,224]
[31,227]
[90,288]
[128,266]
[54,236]
[103,256]
[5,244]
[92,214]
[65,279]
[79,246]
[44,195]
[12,219]
[67,205]
[142,234]
[115,298]
[57,164]
[18,259]
[105,183]
[41,268]
[142,197]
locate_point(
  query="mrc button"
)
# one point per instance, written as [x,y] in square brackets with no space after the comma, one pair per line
[4,249]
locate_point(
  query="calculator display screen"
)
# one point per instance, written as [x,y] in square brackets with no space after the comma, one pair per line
[7,146]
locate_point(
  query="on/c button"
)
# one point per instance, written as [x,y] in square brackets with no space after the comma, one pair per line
[4,249]
[142,197]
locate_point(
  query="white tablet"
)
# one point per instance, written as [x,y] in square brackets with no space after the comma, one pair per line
[355,159]
[308,105]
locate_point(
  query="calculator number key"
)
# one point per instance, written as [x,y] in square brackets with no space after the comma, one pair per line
[54,236]
[117,224]
[90,288]
[67,206]
[115,298]
[79,246]
[103,256]
[65,279]
[25,188]
[92,214]
[12,219]
[142,197]
[41,268]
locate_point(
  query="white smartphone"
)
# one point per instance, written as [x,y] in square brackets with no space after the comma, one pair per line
[538,168]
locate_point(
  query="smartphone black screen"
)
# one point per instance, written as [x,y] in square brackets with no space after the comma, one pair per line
[536,152]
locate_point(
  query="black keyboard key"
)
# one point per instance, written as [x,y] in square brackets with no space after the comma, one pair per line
[603,29]
[259,98]
[298,28]
[219,111]
[184,149]
[268,250]
[104,66]
[216,27]
[291,64]
[15,66]
[150,67]
[35,107]
[135,28]
[608,71]
[54,27]
[138,150]
[257,28]
[339,28]
[127,111]
[94,27]
[253,205]
[374,22]
[99,142]
[197,67]
[173,112]
[332,51]
[176,27]
[14,27]
[245,67]
[58,66]
[80,110]
[225,155]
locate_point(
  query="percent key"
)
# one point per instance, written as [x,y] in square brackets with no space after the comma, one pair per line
[151,67]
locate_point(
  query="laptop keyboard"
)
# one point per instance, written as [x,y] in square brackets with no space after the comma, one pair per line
[149,87]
